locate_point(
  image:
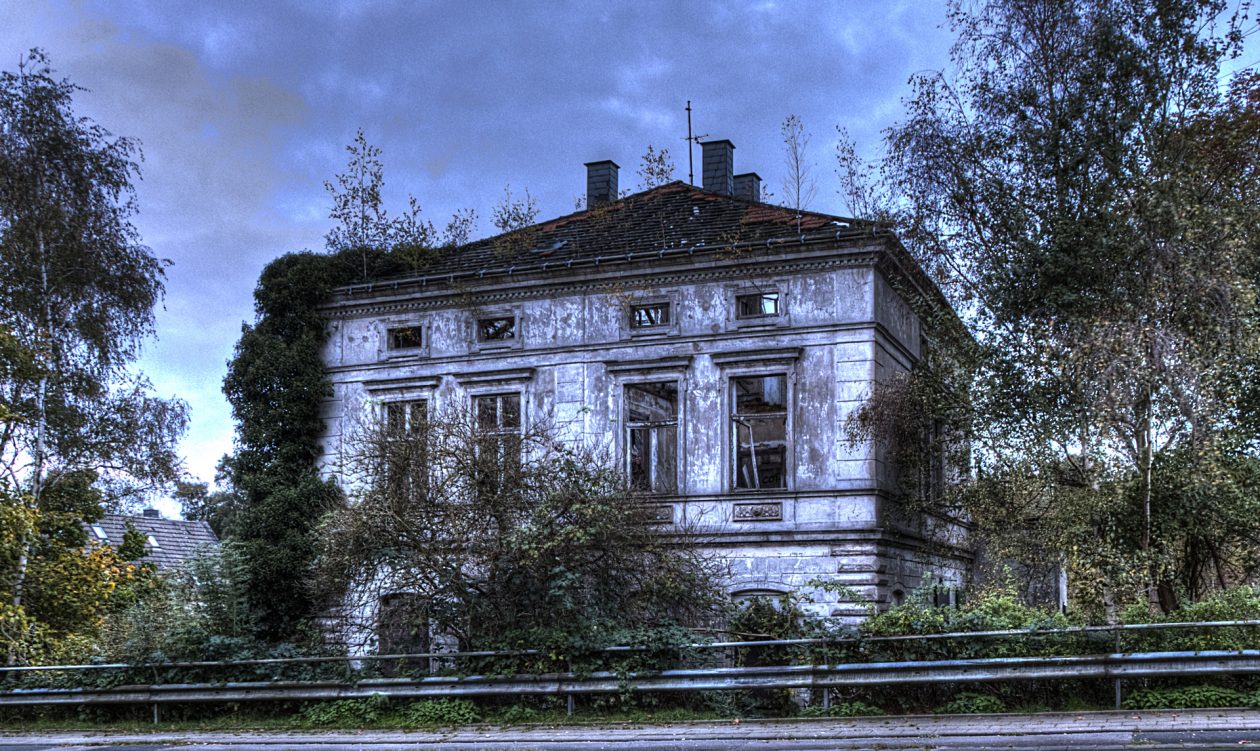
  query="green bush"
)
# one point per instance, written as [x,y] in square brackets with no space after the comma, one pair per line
[1189,697]
[346,713]
[1238,604]
[843,709]
[441,713]
[519,714]
[972,703]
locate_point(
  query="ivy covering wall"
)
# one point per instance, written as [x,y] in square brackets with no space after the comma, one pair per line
[275,384]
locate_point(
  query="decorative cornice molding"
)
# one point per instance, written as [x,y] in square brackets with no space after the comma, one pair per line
[501,294]
[514,375]
[394,384]
[759,356]
[640,366]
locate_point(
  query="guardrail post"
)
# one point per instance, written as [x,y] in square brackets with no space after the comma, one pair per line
[568,698]
[1118,690]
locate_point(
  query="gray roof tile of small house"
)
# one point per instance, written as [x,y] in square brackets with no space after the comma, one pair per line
[178,541]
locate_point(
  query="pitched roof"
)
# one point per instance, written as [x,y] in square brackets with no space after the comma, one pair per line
[177,541]
[671,217]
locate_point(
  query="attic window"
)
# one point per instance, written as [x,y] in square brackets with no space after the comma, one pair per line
[153,543]
[649,315]
[758,305]
[496,329]
[99,532]
[405,337]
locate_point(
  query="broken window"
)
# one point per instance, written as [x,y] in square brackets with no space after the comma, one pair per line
[649,315]
[651,415]
[496,329]
[498,437]
[759,438]
[405,418]
[405,337]
[404,452]
[758,305]
[403,628]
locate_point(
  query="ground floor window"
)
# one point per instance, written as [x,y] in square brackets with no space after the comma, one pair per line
[403,628]
[498,424]
[759,432]
[651,420]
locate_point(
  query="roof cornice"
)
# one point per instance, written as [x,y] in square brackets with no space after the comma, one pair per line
[678,266]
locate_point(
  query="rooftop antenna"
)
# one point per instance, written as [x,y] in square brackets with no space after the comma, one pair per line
[691,141]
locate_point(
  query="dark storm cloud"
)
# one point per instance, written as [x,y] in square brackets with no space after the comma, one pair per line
[245,108]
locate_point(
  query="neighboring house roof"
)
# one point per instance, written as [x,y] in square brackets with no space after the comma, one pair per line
[171,543]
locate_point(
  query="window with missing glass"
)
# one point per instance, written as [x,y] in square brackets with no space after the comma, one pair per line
[651,425]
[498,420]
[405,418]
[404,337]
[758,305]
[759,432]
[403,628]
[650,315]
[404,452]
[498,329]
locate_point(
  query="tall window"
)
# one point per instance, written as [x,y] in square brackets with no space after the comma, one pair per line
[403,628]
[405,449]
[405,418]
[759,437]
[651,415]
[498,435]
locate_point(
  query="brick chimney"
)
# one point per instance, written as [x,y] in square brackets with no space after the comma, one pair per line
[748,186]
[152,513]
[717,164]
[601,182]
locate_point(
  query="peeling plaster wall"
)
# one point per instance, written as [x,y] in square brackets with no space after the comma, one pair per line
[842,329]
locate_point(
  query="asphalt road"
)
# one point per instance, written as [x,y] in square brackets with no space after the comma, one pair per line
[1214,729]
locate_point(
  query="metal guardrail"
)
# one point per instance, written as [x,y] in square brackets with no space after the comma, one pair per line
[1115,666]
[1108,666]
[857,639]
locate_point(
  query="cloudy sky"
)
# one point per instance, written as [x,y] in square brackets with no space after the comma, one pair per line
[244,109]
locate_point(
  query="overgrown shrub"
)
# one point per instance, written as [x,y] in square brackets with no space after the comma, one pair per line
[346,713]
[1190,697]
[519,714]
[970,702]
[440,713]
[843,709]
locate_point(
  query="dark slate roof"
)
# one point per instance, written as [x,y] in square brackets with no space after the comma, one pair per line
[642,226]
[177,541]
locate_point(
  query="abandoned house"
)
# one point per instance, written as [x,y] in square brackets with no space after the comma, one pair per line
[715,342]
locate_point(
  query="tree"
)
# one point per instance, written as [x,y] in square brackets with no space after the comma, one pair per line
[656,168]
[1056,188]
[365,228]
[220,508]
[506,538]
[77,291]
[276,381]
[799,185]
[275,384]
[513,217]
